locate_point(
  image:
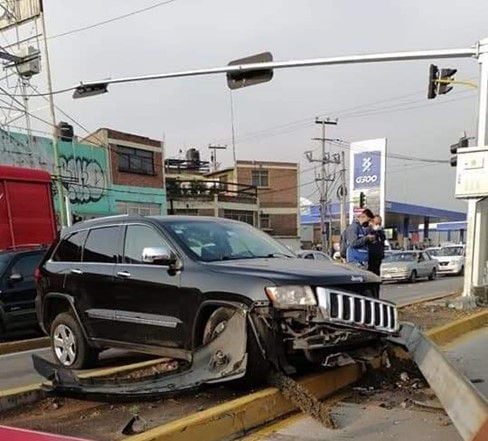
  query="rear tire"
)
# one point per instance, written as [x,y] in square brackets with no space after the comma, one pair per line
[257,367]
[413,277]
[69,345]
[433,274]
[461,273]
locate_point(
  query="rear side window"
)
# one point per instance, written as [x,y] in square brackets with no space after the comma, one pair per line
[69,249]
[137,238]
[101,245]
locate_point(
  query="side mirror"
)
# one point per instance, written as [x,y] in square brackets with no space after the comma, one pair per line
[15,278]
[159,256]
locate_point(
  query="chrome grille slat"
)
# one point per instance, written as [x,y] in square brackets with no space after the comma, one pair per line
[354,309]
[351,309]
[363,311]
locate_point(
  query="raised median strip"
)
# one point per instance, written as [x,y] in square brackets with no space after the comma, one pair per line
[11,347]
[238,416]
[445,334]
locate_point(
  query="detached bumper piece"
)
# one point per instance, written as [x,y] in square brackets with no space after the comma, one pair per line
[223,359]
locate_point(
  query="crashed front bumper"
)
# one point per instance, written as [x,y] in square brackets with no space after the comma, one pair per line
[340,319]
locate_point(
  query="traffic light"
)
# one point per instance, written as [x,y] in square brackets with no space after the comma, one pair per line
[439,82]
[447,77]
[433,85]
[362,200]
[462,143]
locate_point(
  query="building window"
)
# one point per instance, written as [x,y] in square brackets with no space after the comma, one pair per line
[242,216]
[135,160]
[141,208]
[260,178]
[265,221]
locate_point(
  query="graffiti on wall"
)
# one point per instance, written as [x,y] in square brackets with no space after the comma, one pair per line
[83,178]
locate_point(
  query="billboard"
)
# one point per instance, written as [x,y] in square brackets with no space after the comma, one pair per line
[14,12]
[367,162]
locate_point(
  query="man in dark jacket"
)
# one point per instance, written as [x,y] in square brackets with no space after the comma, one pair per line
[357,238]
[376,248]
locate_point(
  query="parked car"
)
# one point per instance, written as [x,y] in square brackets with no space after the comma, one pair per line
[168,285]
[451,259]
[408,265]
[18,288]
[314,255]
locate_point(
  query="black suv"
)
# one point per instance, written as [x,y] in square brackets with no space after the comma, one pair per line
[18,287]
[168,285]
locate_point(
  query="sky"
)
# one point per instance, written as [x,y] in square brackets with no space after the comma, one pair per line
[275,121]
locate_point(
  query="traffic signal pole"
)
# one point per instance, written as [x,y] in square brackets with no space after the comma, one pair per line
[475,243]
[476,249]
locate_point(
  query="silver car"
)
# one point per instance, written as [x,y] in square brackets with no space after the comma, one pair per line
[409,265]
[314,255]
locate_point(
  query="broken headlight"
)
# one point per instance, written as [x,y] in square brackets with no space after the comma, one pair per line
[291,296]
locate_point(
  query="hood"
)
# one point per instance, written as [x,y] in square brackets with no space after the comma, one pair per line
[449,258]
[296,271]
[396,264]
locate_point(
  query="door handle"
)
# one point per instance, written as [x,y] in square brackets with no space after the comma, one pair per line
[76,271]
[124,274]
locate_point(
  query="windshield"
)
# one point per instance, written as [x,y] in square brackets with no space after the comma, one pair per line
[213,240]
[451,251]
[400,257]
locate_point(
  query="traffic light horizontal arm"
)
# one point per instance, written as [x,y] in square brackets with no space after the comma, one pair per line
[350,59]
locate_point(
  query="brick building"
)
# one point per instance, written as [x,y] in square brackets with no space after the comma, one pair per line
[277,185]
[135,169]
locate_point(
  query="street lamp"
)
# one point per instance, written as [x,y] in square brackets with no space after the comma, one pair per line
[92,89]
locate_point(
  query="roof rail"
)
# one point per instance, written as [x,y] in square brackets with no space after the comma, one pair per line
[111,217]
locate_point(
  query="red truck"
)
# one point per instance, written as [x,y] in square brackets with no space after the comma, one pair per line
[26,207]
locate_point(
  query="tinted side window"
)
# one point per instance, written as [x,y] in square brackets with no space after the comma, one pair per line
[309,256]
[69,249]
[137,238]
[26,265]
[101,245]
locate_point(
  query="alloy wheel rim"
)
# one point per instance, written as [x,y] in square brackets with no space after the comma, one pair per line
[64,345]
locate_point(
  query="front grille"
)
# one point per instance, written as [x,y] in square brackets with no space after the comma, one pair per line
[443,263]
[352,309]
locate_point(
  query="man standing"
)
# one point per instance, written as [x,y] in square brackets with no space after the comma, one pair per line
[376,248]
[358,238]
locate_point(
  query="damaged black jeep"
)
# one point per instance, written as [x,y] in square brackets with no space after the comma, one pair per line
[207,289]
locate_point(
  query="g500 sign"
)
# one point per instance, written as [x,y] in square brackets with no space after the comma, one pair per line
[367,169]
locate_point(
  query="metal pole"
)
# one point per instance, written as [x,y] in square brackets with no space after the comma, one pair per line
[344,192]
[474,233]
[57,168]
[330,61]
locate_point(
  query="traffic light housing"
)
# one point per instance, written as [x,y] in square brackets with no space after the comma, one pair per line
[462,143]
[439,81]
[362,200]
[447,75]
[433,85]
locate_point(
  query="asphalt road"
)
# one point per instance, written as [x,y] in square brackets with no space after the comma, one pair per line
[402,293]
[16,369]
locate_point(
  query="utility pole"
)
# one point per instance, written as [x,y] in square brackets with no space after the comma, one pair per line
[342,192]
[324,180]
[213,155]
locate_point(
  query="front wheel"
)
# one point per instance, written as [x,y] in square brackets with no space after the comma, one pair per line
[433,274]
[257,367]
[69,345]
